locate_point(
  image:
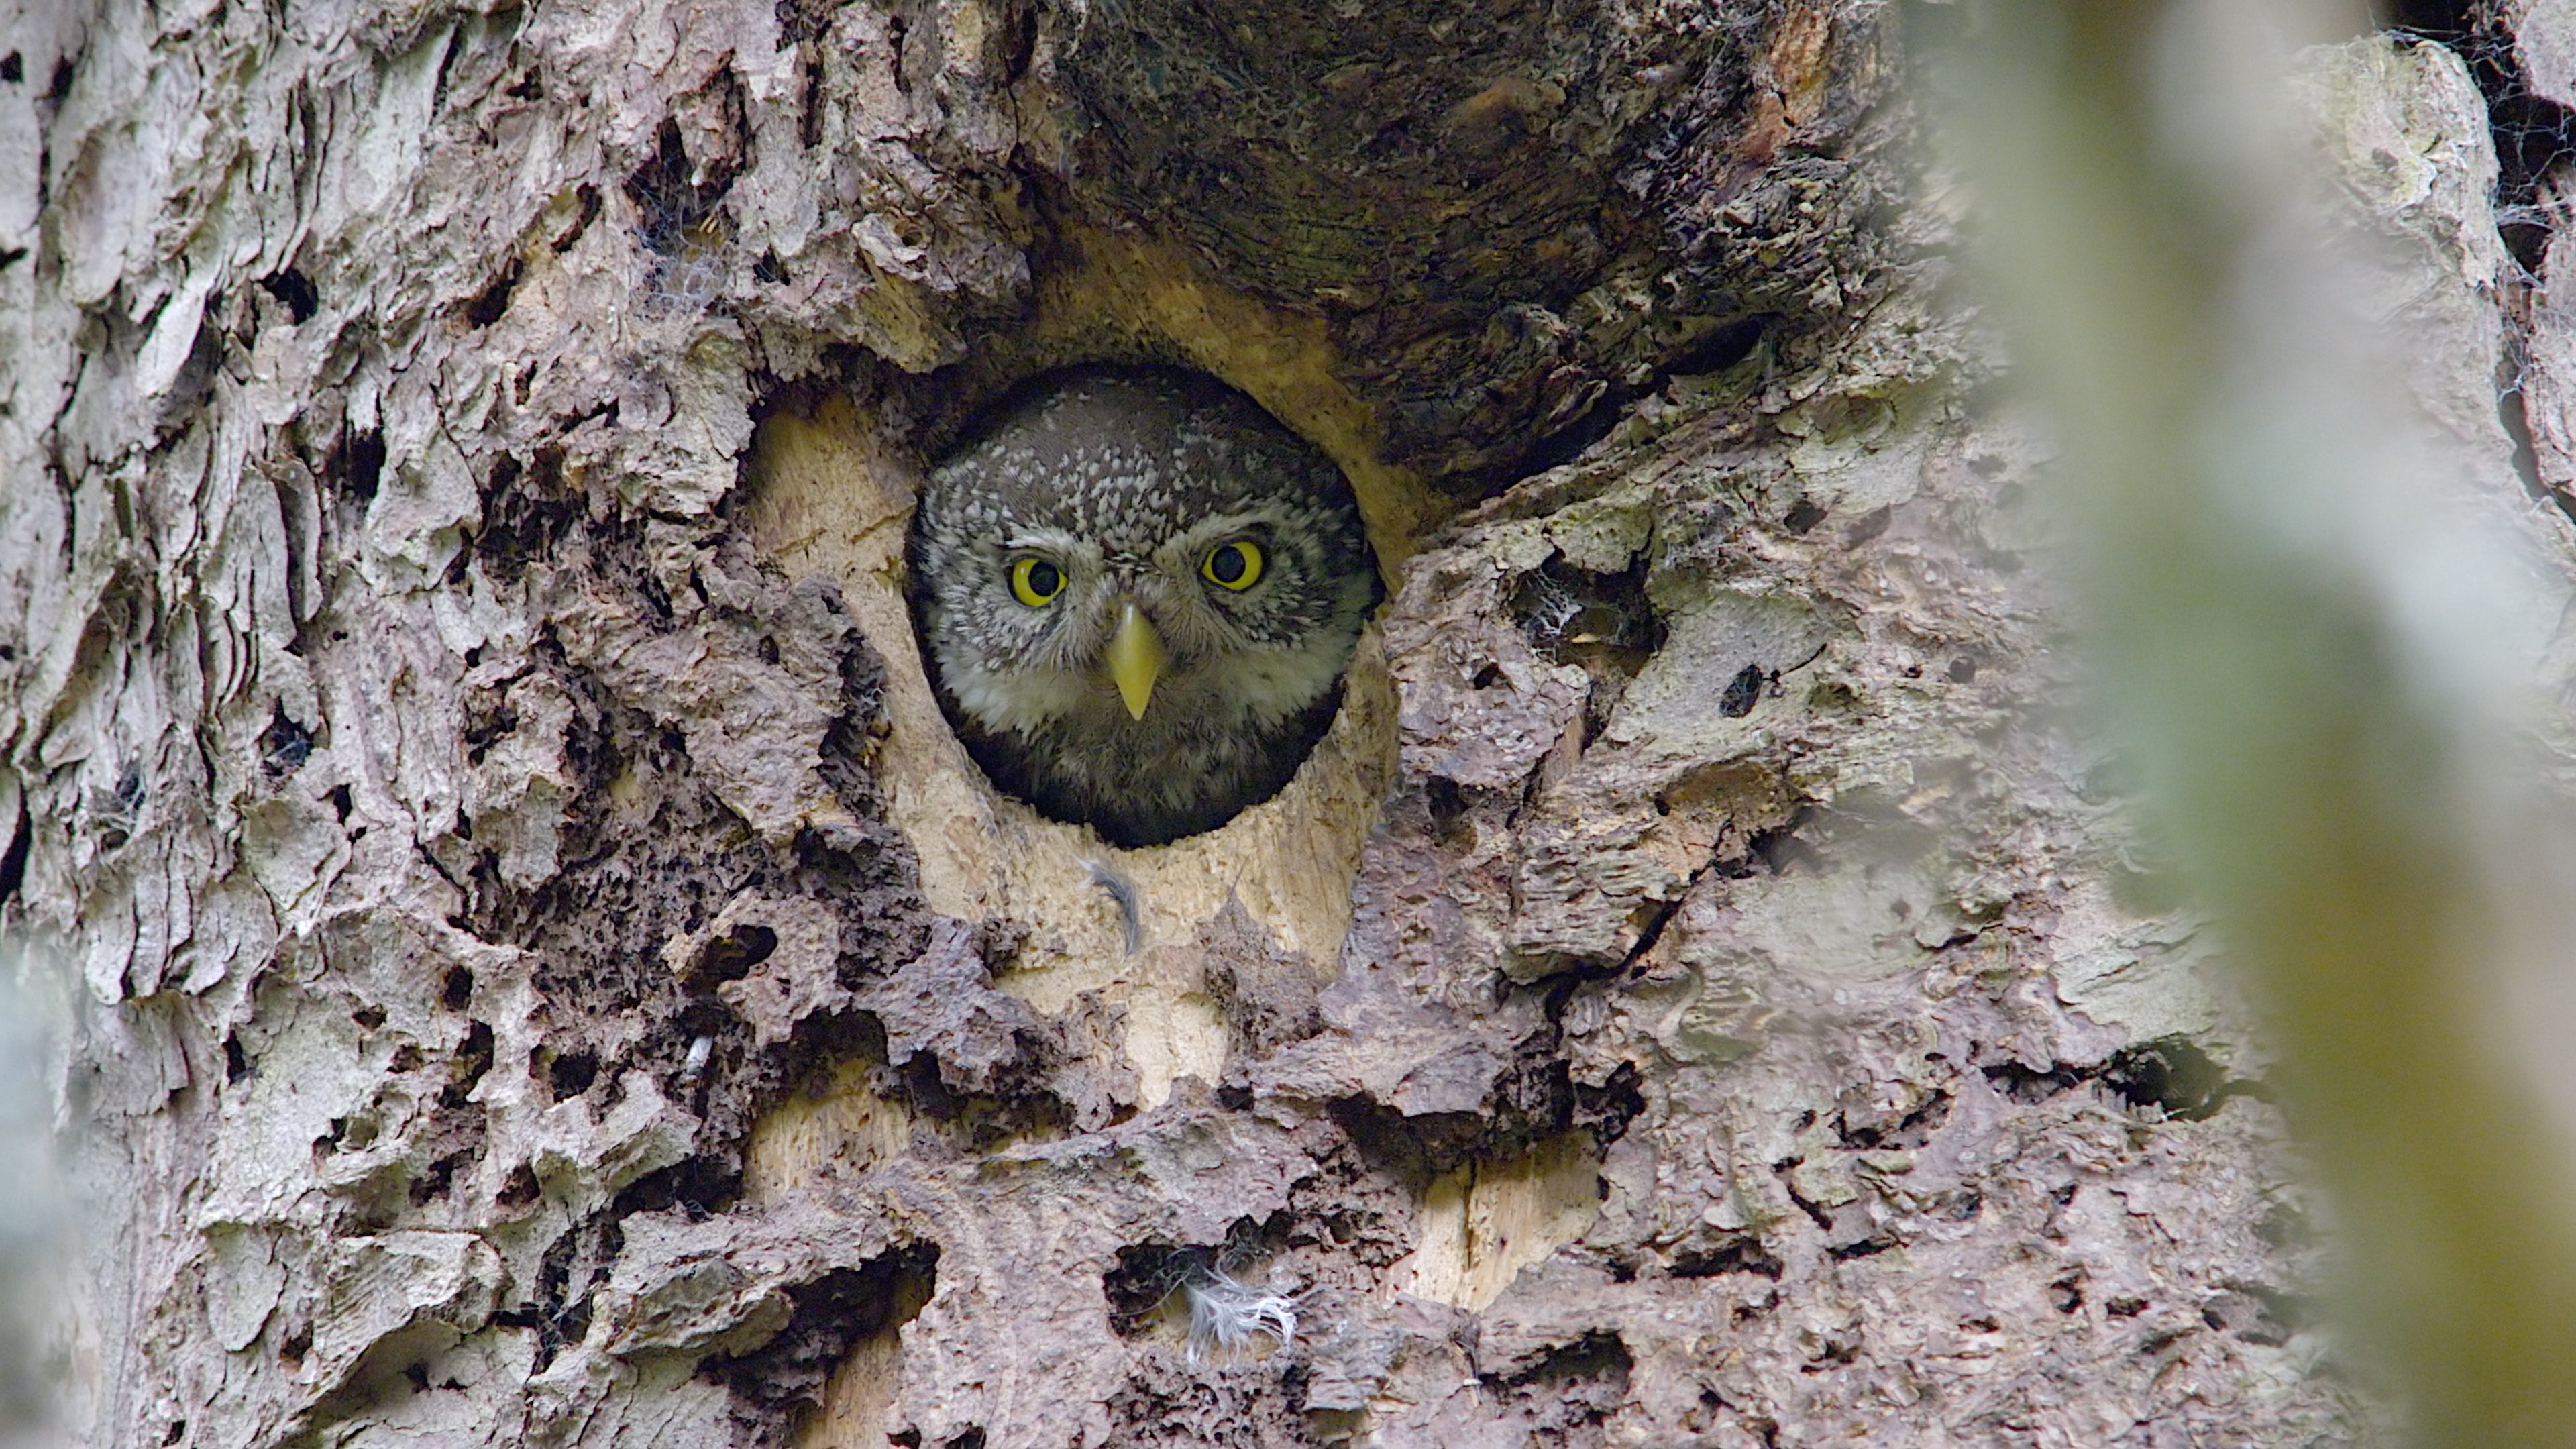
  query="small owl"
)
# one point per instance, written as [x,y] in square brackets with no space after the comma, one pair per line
[1137,593]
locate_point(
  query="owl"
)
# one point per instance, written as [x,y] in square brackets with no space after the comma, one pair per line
[1137,593]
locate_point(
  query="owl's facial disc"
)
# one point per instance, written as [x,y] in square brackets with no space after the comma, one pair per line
[1137,594]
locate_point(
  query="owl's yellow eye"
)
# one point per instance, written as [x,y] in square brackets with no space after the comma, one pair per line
[1236,565]
[1035,582]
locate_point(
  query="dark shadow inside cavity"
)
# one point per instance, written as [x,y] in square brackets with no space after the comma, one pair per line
[826,1318]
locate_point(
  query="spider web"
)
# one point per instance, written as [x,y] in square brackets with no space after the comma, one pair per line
[2535,137]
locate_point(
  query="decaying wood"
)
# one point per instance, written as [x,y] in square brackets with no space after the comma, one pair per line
[533,969]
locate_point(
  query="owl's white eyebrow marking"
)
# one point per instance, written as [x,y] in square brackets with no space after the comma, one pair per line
[1048,540]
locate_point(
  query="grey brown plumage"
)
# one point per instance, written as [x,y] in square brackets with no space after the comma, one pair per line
[1134,485]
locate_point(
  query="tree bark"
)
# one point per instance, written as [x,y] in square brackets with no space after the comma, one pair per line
[531,966]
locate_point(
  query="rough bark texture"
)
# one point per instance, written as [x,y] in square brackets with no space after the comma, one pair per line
[501,998]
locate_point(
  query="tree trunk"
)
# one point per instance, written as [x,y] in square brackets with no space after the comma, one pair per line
[532,964]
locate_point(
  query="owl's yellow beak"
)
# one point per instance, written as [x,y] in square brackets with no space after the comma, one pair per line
[1135,659]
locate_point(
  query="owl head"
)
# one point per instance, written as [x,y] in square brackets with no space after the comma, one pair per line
[1135,590]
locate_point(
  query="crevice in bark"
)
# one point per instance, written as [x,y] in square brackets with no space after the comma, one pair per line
[2172,1076]
[2535,137]
[296,291]
[13,857]
[2535,140]
[826,1317]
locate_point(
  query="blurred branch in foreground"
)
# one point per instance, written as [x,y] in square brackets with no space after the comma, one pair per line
[2317,610]
[34,1230]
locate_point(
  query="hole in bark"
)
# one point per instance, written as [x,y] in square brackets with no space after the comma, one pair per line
[525,518]
[1885,1130]
[1601,621]
[855,455]
[1446,803]
[2027,1085]
[1585,423]
[2535,137]
[1742,1255]
[1600,1354]
[489,304]
[12,68]
[1144,1289]
[1730,344]
[296,291]
[457,991]
[826,1317]
[1411,1149]
[13,860]
[1803,515]
[731,957]
[1834,1354]
[589,212]
[697,1186]
[520,1188]
[572,1264]
[2439,19]
[571,1074]
[1581,421]
[671,208]
[440,1178]
[353,1133]
[681,222]
[2066,1295]
[1869,1247]
[472,1060]
[359,465]
[1021,26]
[120,811]
[2169,1074]
[236,1060]
[284,746]
[2173,1075]
[809,116]
[1781,851]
